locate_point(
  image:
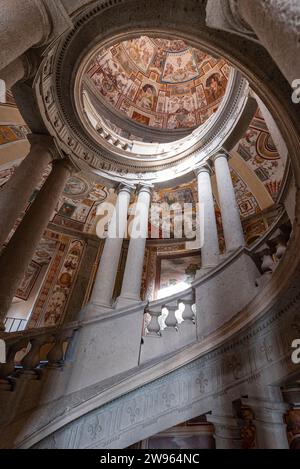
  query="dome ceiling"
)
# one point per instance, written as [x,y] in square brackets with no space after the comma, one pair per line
[159,83]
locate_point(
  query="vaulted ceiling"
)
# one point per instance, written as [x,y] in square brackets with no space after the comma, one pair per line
[157,82]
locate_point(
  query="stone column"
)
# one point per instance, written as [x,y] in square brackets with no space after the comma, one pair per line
[17,191]
[274,22]
[132,280]
[232,226]
[269,422]
[27,24]
[21,69]
[227,432]
[20,250]
[74,311]
[207,218]
[108,267]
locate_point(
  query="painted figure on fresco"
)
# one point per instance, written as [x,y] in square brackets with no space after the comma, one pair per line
[180,67]
[215,87]
[141,52]
[147,97]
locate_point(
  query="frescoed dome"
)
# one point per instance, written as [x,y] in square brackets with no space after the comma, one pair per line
[159,83]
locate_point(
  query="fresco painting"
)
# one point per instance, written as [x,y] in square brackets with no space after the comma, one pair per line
[159,83]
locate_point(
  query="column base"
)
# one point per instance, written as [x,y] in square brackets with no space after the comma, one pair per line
[124,301]
[204,271]
[94,310]
[227,433]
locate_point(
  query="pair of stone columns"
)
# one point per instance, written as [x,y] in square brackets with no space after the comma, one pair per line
[232,226]
[268,410]
[132,279]
[14,197]
[233,232]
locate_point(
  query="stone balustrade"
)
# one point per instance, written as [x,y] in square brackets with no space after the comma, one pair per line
[172,321]
[31,350]
[269,254]
[170,324]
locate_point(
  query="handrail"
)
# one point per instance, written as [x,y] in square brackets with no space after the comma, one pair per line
[270,231]
[29,344]
[35,332]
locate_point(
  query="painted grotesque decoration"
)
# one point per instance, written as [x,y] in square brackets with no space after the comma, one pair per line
[159,83]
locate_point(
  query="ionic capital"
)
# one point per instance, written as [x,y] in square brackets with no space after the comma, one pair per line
[44,143]
[55,19]
[30,63]
[220,154]
[65,163]
[122,187]
[204,168]
[228,17]
[148,189]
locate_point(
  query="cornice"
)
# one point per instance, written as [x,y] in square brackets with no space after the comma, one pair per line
[118,165]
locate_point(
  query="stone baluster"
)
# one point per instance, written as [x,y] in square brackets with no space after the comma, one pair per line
[56,354]
[267,265]
[232,226]
[24,181]
[209,236]
[20,250]
[132,280]
[171,320]
[13,347]
[281,246]
[188,314]
[153,327]
[106,276]
[32,359]
[17,34]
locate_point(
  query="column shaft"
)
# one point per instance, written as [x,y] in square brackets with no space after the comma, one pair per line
[20,250]
[108,267]
[22,26]
[207,219]
[16,193]
[269,409]
[30,23]
[227,433]
[276,24]
[13,73]
[232,226]
[132,280]
[22,68]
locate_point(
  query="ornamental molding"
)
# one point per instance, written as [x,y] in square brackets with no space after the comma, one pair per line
[260,356]
[73,140]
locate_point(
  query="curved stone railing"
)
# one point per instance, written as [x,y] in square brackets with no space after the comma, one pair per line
[169,325]
[30,350]
[172,323]
[193,325]
[79,406]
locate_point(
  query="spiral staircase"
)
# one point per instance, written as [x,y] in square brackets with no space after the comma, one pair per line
[119,374]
